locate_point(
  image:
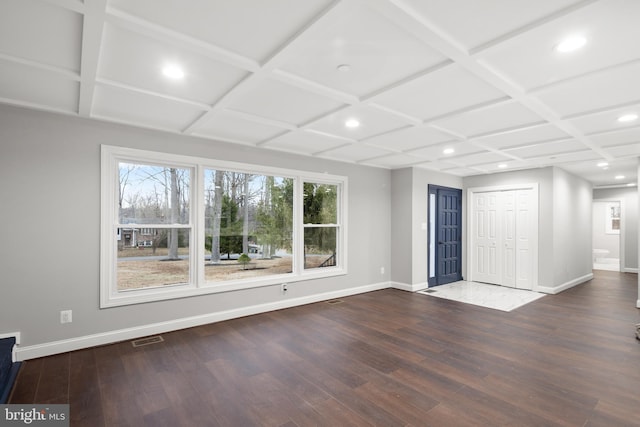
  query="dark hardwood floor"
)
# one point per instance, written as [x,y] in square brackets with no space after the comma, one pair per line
[385,358]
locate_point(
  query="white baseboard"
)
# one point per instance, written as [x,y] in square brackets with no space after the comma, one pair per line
[16,335]
[63,346]
[564,286]
[630,270]
[409,288]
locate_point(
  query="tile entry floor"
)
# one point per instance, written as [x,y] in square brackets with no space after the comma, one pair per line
[483,294]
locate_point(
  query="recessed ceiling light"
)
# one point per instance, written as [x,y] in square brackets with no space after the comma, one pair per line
[619,176]
[628,118]
[352,123]
[571,43]
[602,164]
[343,67]
[448,151]
[173,71]
[631,184]
[502,165]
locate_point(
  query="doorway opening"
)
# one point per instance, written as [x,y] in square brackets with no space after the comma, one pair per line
[444,235]
[607,225]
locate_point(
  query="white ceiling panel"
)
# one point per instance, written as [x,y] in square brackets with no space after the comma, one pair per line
[548,149]
[495,118]
[606,120]
[393,161]
[594,92]
[627,150]
[25,85]
[436,152]
[482,76]
[372,122]
[279,101]
[377,52]
[503,166]
[37,31]
[449,89]
[138,61]
[138,108]
[520,137]
[473,23]
[560,159]
[458,171]
[255,29]
[531,60]
[304,142]
[229,127]
[481,158]
[621,137]
[600,177]
[354,153]
[409,138]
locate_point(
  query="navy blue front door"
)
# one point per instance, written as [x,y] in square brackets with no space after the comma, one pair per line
[448,235]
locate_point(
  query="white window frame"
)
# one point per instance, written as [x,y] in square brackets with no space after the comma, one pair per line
[197,285]
[340,241]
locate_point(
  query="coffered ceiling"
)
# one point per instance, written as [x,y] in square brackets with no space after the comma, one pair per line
[483,79]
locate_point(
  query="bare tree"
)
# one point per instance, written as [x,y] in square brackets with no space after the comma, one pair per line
[175,215]
[217,213]
[245,211]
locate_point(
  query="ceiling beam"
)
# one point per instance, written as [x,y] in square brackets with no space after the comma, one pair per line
[92,28]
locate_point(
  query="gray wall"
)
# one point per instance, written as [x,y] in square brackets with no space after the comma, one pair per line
[564,221]
[409,240]
[572,202]
[50,192]
[401,225]
[629,198]
[544,178]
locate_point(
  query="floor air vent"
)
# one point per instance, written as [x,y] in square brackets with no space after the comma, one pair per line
[334,301]
[147,341]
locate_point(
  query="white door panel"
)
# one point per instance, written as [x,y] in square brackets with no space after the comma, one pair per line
[503,223]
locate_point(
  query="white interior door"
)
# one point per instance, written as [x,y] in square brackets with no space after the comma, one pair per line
[503,227]
[486,250]
[527,221]
[509,224]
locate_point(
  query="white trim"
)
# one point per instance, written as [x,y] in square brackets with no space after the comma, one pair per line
[197,285]
[409,288]
[16,335]
[565,286]
[630,270]
[87,341]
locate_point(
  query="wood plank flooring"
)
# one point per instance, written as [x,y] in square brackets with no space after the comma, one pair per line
[385,358]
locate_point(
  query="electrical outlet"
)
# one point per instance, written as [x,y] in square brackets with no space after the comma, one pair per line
[381,270]
[283,288]
[66,316]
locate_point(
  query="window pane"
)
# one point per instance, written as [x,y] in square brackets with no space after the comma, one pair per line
[153,194]
[247,214]
[320,247]
[320,203]
[151,257]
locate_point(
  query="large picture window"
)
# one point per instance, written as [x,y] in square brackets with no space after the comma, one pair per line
[176,226]
[249,214]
